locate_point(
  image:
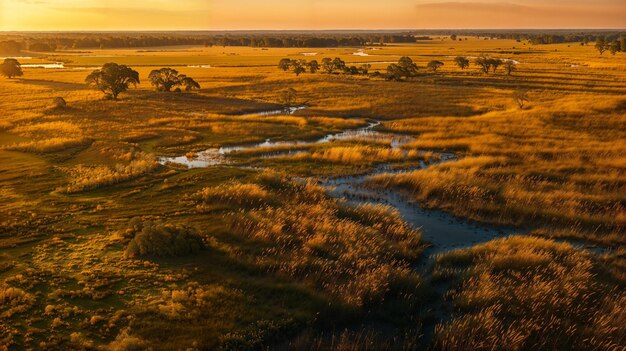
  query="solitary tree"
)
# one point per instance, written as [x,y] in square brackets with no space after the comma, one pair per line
[601,45]
[434,65]
[284,64]
[288,99]
[509,66]
[484,63]
[113,79]
[313,66]
[521,97]
[11,68]
[453,37]
[462,62]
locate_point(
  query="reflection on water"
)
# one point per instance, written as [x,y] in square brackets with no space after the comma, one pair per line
[214,157]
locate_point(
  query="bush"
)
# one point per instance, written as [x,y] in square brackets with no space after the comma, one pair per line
[157,239]
[59,102]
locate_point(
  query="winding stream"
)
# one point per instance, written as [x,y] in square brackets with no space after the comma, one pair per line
[442,230]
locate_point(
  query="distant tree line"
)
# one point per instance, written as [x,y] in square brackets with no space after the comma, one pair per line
[10,47]
[50,43]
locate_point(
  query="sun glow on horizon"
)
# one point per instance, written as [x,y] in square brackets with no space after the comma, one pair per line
[59,15]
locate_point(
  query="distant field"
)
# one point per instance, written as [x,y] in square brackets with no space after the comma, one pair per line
[103,245]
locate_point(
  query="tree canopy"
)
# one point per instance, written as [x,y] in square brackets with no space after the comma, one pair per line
[11,68]
[165,79]
[113,79]
[462,62]
[404,69]
[434,65]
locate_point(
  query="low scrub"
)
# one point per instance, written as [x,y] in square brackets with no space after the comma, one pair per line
[162,240]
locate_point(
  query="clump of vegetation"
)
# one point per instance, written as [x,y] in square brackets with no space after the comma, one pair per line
[162,240]
[113,79]
[59,103]
[14,300]
[360,154]
[357,254]
[49,145]
[530,294]
[83,178]
[233,194]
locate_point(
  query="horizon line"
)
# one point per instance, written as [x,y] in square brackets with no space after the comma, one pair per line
[307,30]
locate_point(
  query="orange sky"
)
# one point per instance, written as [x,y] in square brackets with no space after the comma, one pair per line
[308,14]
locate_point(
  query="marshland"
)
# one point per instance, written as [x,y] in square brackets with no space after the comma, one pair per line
[233,195]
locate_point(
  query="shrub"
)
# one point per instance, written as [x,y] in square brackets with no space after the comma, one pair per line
[158,239]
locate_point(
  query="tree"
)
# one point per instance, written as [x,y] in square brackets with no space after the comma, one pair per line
[189,84]
[332,65]
[521,97]
[284,64]
[453,37]
[313,66]
[495,63]
[434,65]
[288,99]
[165,79]
[113,79]
[601,45]
[328,65]
[614,47]
[11,68]
[484,63]
[462,62]
[339,64]
[509,66]
[298,66]
[404,69]
[364,69]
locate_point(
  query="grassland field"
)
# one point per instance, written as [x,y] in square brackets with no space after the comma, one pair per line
[255,254]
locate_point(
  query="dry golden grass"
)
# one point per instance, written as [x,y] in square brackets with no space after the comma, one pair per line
[555,170]
[278,264]
[357,254]
[525,293]
[49,145]
[83,178]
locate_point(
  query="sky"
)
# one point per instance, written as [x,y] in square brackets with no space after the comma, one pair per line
[62,15]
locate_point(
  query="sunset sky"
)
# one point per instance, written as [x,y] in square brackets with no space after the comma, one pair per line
[307,14]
